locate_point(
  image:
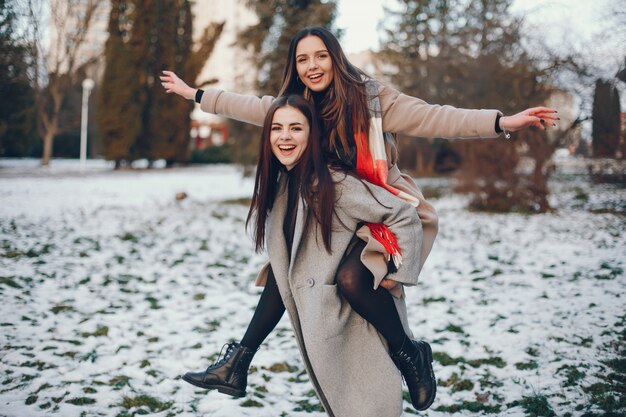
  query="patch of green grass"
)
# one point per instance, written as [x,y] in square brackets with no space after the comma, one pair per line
[119,382]
[32,399]
[430,300]
[573,374]
[580,195]
[128,237]
[454,329]
[472,406]
[447,360]
[9,282]
[526,366]
[43,387]
[154,303]
[81,401]
[40,365]
[143,400]
[61,308]
[496,361]
[37,251]
[532,352]
[251,403]
[308,407]
[535,406]
[72,342]
[607,396]
[100,331]
[89,390]
[487,380]
[282,367]
[444,359]
[70,354]
[457,383]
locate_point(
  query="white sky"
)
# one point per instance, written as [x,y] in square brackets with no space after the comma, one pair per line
[578,18]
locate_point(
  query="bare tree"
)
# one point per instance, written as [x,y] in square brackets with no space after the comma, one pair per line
[58,31]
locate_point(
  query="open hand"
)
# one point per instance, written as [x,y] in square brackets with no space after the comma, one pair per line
[536,116]
[173,84]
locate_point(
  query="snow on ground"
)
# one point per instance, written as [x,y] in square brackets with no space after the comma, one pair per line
[110,288]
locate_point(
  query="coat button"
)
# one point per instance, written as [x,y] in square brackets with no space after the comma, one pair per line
[310,282]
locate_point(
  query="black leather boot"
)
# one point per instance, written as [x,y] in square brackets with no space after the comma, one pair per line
[229,375]
[414,360]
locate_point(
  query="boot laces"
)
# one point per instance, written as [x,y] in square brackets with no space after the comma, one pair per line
[223,359]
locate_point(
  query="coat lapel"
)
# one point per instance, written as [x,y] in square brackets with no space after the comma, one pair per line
[276,245]
[301,219]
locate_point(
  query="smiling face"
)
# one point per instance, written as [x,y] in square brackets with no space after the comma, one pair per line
[313,63]
[289,135]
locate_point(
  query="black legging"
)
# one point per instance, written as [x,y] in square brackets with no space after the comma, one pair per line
[355,282]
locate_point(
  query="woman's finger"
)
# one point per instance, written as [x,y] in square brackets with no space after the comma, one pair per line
[542,110]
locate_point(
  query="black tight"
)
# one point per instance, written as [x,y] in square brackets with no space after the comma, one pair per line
[266,316]
[355,282]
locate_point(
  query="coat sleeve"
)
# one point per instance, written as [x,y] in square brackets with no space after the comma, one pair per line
[362,202]
[414,117]
[243,107]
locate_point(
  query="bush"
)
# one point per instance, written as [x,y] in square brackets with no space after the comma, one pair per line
[213,155]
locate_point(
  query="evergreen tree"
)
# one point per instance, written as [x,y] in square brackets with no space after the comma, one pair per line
[17,108]
[606,129]
[469,54]
[156,35]
[120,101]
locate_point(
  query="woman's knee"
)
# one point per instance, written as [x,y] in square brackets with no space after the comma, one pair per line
[352,279]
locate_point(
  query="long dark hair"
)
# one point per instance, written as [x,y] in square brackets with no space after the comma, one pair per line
[345,96]
[311,173]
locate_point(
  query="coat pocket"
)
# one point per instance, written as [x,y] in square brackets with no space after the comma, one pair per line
[337,313]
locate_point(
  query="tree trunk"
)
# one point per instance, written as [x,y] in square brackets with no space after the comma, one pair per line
[47,147]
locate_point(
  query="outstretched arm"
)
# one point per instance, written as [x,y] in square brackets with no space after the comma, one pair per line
[412,116]
[243,107]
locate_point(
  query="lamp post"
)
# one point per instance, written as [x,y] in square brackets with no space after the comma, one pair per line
[88,84]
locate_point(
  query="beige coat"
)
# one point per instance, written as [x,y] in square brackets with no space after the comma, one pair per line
[345,357]
[401,114]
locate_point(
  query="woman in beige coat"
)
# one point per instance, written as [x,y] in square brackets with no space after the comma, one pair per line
[350,102]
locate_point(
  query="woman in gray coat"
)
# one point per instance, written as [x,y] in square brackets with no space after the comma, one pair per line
[306,210]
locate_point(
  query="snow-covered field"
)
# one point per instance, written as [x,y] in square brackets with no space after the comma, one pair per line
[110,288]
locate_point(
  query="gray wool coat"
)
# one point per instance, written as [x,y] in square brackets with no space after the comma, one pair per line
[346,358]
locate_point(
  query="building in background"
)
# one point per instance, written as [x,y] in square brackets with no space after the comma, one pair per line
[229,66]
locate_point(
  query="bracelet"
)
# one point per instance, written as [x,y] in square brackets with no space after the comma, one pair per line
[507,134]
[199,94]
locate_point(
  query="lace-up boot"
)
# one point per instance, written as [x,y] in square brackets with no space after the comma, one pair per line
[414,360]
[229,375]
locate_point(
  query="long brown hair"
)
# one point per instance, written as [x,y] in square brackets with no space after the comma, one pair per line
[345,96]
[311,173]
